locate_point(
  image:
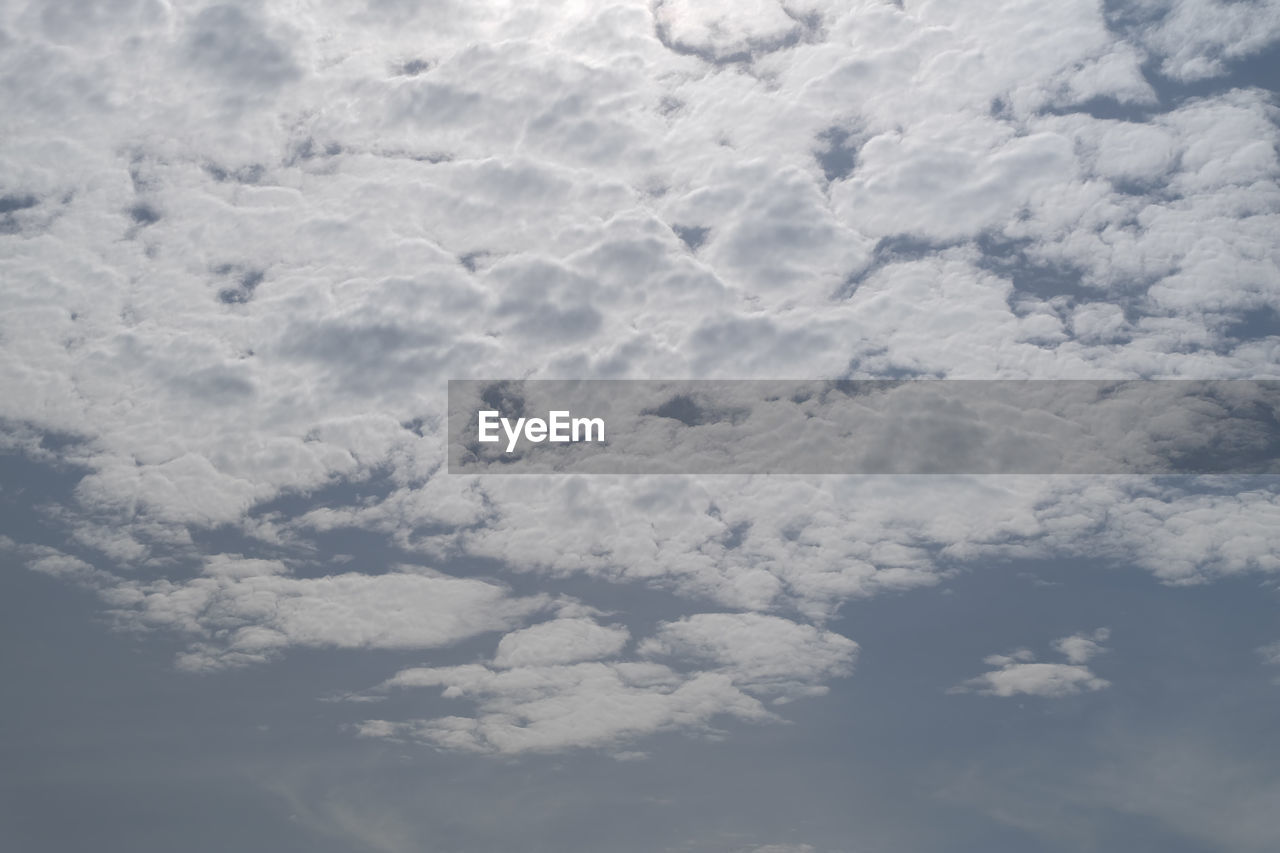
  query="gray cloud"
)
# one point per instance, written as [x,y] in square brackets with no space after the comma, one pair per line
[226,41]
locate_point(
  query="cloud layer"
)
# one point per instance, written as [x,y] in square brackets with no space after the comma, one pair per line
[243,249]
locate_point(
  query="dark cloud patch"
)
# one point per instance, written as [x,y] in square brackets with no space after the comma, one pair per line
[704,52]
[144,214]
[221,385]
[1156,188]
[420,426]
[225,41]
[11,207]
[309,149]
[11,203]
[545,301]
[690,411]
[736,535]
[682,408]
[508,400]
[505,398]
[366,345]
[414,67]
[69,22]
[839,155]
[901,248]
[810,22]
[141,173]
[692,236]
[878,362]
[247,281]
[1001,109]
[250,174]
[543,319]
[858,388]
[369,356]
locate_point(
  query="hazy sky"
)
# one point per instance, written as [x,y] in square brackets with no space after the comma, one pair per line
[244,246]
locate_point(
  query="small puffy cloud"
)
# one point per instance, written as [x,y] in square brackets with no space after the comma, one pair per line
[1020,674]
[1079,648]
[1270,653]
[1035,679]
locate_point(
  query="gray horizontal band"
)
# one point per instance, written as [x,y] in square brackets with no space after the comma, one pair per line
[945,426]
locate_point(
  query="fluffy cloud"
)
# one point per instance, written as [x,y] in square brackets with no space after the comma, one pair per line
[1080,648]
[1197,39]
[1020,674]
[538,695]
[578,705]
[240,265]
[243,611]
[763,654]
[560,641]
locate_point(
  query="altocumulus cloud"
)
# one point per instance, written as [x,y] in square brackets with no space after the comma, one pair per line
[242,255]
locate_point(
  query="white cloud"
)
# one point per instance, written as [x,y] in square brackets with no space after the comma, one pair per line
[247,611]
[560,641]
[1080,648]
[723,30]
[540,694]
[1020,674]
[764,654]
[1197,38]
[240,265]
[545,708]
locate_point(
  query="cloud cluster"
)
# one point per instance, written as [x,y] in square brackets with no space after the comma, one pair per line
[242,611]
[1196,40]
[244,248]
[1020,674]
[558,696]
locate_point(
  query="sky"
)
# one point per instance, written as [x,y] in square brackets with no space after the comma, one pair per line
[245,605]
